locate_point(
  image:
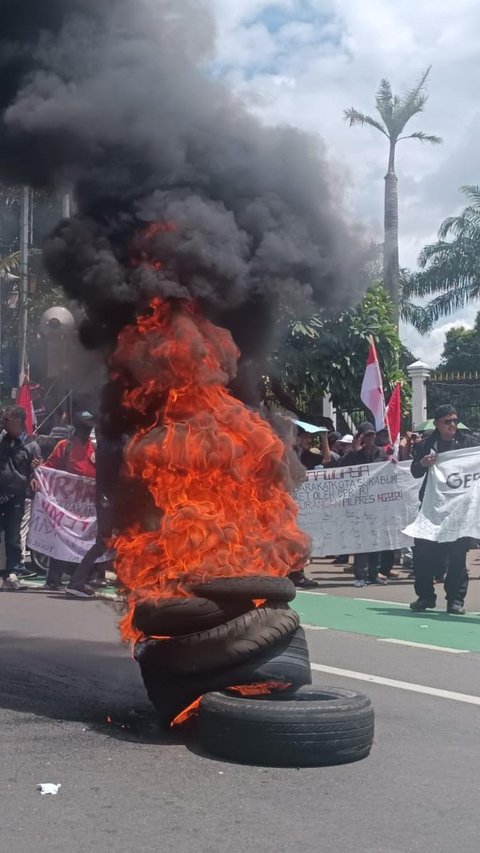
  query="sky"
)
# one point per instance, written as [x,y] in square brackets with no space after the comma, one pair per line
[302,62]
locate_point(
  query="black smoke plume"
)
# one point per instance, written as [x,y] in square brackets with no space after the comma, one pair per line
[118,99]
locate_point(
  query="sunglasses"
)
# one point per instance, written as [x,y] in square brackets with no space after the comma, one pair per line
[449,421]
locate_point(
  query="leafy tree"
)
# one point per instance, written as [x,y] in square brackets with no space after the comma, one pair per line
[329,353]
[451,266]
[461,351]
[395,112]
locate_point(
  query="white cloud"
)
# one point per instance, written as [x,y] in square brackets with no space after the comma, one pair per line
[304,61]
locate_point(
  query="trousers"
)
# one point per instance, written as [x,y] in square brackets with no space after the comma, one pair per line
[366,566]
[428,557]
[11,514]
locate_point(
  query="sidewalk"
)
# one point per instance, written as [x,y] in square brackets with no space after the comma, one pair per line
[334,580]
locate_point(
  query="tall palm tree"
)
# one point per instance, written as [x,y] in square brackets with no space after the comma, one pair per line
[395,112]
[451,266]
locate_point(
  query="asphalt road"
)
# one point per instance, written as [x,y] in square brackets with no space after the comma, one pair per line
[128,789]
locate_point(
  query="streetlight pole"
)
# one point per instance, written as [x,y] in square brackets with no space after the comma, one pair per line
[23,288]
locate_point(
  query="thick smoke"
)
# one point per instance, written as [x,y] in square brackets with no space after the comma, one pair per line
[115,98]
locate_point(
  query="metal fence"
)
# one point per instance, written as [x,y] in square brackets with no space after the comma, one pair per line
[461,389]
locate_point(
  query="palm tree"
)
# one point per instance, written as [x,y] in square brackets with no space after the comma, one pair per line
[451,267]
[395,112]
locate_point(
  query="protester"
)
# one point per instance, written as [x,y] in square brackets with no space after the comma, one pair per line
[311,459]
[75,455]
[109,457]
[365,451]
[19,455]
[430,558]
[343,445]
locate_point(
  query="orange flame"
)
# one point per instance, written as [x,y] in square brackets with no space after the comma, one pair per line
[216,470]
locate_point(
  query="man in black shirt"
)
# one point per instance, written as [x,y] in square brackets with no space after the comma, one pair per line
[429,556]
[19,455]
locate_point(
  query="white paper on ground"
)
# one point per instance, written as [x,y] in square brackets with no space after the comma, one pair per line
[49,787]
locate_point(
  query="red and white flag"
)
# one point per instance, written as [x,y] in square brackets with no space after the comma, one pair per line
[372,388]
[393,413]
[24,399]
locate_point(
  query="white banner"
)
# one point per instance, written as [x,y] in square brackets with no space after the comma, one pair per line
[451,506]
[358,509]
[63,523]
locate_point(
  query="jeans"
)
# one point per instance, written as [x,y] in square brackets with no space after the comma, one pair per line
[366,566]
[84,570]
[11,514]
[429,558]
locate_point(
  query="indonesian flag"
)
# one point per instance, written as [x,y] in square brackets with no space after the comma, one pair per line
[24,399]
[372,388]
[393,413]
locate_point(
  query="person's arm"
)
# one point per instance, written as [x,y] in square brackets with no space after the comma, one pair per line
[423,459]
[326,455]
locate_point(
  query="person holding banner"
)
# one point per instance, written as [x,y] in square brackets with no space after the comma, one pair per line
[428,556]
[75,455]
[19,455]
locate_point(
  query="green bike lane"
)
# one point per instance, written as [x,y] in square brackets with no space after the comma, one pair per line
[389,621]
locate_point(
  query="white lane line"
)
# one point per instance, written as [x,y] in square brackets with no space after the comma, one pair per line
[315,627]
[424,646]
[310,592]
[381,601]
[400,685]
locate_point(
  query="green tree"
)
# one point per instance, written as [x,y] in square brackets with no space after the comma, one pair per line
[395,112]
[329,353]
[461,350]
[451,266]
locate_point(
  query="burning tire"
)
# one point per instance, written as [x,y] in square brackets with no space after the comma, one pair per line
[225,645]
[174,617]
[287,662]
[250,586]
[312,727]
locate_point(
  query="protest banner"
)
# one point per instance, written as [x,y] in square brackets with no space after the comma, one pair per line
[63,523]
[359,508]
[451,505]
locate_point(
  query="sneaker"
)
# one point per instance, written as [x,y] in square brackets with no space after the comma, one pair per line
[360,583]
[80,592]
[422,604]
[456,608]
[12,584]
[379,581]
[52,587]
[22,572]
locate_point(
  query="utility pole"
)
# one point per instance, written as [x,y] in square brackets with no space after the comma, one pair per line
[23,287]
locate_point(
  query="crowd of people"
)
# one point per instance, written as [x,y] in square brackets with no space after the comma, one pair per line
[72,450]
[429,562]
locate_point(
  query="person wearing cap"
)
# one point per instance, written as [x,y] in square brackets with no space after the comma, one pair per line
[75,455]
[365,451]
[429,556]
[343,444]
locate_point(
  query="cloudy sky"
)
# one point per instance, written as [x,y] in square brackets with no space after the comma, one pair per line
[304,61]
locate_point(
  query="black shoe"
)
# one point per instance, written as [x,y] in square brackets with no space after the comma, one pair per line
[306,583]
[422,604]
[80,592]
[52,587]
[456,607]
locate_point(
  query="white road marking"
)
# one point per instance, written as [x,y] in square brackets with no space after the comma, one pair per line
[381,601]
[315,627]
[310,592]
[424,646]
[400,685]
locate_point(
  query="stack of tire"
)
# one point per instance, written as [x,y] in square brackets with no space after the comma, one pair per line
[242,631]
